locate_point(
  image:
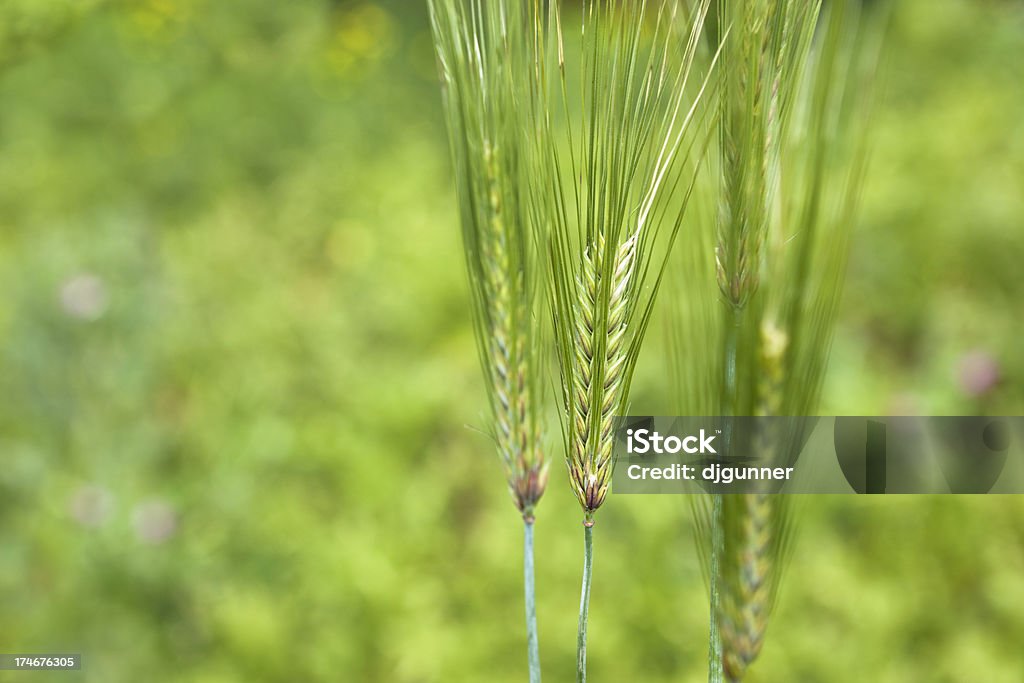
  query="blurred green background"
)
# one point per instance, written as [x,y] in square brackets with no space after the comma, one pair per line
[236,367]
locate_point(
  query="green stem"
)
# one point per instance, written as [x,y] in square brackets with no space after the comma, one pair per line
[715,673]
[581,636]
[731,395]
[730,407]
[532,643]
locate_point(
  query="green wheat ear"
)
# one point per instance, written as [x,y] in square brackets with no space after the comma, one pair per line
[756,529]
[491,59]
[488,62]
[590,467]
[789,160]
[611,171]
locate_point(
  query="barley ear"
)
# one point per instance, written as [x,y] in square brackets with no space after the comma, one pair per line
[491,57]
[595,403]
[488,56]
[790,157]
[627,146]
[756,527]
[613,179]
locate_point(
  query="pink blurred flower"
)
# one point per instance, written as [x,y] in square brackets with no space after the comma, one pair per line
[977,373]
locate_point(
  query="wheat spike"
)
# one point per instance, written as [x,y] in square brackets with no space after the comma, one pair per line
[487,58]
[745,602]
[790,158]
[762,62]
[759,521]
[614,185]
[517,432]
[594,405]
[491,59]
[612,180]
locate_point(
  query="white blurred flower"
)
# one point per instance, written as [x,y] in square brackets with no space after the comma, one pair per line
[91,506]
[155,521]
[84,296]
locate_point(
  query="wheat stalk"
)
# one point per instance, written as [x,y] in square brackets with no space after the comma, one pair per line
[789,160]
[491,64]
[613,178]
[760,62]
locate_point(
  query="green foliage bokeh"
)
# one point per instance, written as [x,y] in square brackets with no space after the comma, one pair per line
[236,369]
